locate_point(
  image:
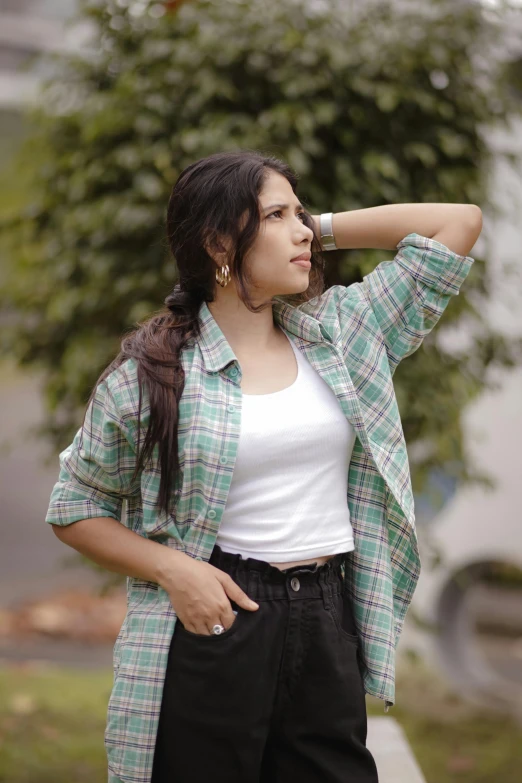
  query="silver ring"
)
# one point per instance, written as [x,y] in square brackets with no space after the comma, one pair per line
[218,628]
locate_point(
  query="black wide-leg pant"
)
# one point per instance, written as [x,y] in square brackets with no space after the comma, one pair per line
[276,698]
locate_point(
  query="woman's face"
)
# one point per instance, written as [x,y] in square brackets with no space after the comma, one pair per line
[282,236]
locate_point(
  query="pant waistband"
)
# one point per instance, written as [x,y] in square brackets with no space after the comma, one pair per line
[261,580]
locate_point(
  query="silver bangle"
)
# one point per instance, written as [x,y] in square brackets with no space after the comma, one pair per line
[327,235]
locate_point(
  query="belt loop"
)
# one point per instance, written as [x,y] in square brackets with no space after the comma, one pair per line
[252,582]
[325,589]
[344,588]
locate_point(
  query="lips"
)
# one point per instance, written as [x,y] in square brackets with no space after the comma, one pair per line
[303,257]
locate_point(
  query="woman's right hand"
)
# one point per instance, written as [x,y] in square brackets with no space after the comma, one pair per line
[200,595]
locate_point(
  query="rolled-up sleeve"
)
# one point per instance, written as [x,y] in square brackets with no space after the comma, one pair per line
[97,467]
[409,294]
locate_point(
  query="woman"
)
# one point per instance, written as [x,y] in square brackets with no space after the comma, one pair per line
[252,428]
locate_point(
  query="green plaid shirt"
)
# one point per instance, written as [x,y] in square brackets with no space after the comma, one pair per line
[354,337]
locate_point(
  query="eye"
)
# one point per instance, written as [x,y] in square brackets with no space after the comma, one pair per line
[279,212]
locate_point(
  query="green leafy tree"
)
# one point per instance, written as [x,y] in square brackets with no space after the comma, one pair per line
[371,105]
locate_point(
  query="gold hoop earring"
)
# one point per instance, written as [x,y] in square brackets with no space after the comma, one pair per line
[223,276]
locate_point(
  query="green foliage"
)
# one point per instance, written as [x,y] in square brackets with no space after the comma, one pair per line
[370,106]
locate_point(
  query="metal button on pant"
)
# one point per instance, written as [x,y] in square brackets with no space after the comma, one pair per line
[278,696]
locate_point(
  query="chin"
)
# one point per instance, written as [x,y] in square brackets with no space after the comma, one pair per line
[302,287]
[296,287]
[291,291]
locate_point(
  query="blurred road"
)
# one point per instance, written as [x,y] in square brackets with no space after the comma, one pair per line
[30,554]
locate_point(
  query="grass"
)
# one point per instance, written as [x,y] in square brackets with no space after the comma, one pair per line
[51,725]
[52,722]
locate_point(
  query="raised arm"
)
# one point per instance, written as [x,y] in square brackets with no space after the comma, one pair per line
[407,295]
[457,226]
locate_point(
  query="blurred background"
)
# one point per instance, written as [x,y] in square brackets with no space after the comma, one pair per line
[102,105]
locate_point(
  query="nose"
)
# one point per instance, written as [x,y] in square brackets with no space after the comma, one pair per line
[308,233]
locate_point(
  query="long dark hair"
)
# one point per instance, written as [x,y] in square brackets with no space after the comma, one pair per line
[209,199]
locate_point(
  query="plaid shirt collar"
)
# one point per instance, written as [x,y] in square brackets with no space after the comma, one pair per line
[217,352]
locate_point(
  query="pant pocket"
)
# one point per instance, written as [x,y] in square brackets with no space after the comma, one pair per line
[181,630]
[342,613]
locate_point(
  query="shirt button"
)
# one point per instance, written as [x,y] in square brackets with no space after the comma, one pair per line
[223,460]
[233,371]
[231,408]
[199,558]
[211,514]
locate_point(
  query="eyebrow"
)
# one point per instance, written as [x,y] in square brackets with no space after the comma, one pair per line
[283,206]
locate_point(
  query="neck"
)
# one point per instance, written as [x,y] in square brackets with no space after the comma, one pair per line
[245,331]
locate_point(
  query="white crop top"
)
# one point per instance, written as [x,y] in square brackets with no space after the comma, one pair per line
[288,496]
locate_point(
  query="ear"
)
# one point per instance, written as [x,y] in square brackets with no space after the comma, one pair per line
[218,248]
